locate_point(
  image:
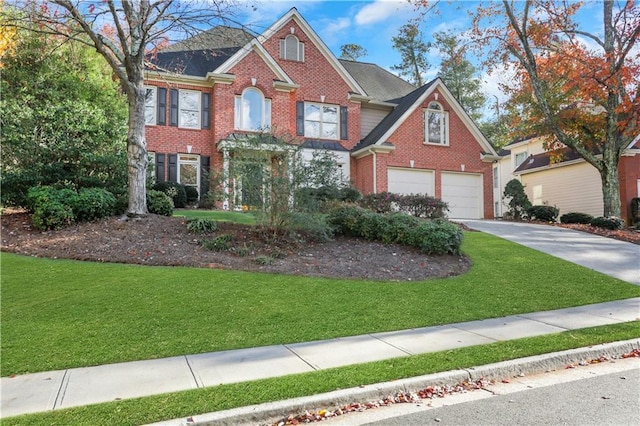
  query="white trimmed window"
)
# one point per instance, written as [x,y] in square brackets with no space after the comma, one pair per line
[291,48]
[495,177]
[150,106]
[189,110]
[436,125]
[151,166]
[321,121]
[519,159]
[189,170]
[252,110]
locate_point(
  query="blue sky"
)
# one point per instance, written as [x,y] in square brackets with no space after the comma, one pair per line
[372,24]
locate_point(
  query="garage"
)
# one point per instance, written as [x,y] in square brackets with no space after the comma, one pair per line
[463,193]
[410,181]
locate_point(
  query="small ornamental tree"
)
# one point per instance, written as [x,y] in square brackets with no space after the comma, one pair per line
[517,199]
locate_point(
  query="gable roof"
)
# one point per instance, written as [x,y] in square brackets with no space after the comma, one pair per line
[219,37]
[379,135]
[377,82]
[543,159]
[294,15]
[395,117]
[193,62]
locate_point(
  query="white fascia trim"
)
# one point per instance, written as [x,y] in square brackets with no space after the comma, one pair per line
[282,86]
[489,158]
[468,122]
[254,46]
[634,142]
[367,150]
[294,15]
[631,152]
[221,78]
[176,78]
[406,115]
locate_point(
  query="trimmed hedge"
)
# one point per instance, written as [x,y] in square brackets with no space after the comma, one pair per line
[175,191]
[430,236]
[612,223]
[159,203]
[192,194]
[418,205]
[543,213]
[55,208]
[575,217]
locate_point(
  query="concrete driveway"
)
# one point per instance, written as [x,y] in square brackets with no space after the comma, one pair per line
[612,257]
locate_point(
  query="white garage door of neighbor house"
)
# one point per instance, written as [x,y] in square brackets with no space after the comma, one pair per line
[463,193]
[410,181]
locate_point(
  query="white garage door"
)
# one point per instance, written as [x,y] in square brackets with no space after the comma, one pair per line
[410,181]
[463,192]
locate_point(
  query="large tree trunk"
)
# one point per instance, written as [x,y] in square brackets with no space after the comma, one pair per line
[610,184]
[137,151]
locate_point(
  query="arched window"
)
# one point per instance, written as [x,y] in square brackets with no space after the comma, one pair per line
[291,48]
[436,125]
[253,111]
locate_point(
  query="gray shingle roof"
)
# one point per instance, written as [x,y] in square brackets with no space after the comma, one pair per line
[193,62]
[379,83]
[219,37]
[392,117]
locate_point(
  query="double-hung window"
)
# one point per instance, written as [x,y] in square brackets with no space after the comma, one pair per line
[321,121]
[252,111]
[150,107]
[436,125]
[519,159]
[189,109]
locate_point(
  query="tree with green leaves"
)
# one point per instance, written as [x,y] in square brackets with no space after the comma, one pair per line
[63,118]
[125,33]
[352,52]
[459,74]
[413,51]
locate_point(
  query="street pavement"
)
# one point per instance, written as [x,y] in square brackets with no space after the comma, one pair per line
[54,390]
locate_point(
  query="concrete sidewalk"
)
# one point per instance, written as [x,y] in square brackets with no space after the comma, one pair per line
[52,390]
[618,259]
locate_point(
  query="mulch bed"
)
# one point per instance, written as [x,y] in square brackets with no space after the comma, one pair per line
[158,240]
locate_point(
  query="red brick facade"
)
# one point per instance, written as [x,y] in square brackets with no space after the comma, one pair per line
[320,79]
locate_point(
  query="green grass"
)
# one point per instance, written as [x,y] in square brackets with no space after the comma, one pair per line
[193,402]
[82,314]
[219,215]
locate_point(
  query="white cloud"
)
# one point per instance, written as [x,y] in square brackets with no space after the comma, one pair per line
[381,10]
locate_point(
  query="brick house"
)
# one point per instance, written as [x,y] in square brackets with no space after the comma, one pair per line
[207,94]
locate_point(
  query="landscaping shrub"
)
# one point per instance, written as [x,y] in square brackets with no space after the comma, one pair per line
[575,217]
[350,195]
[612,223]
[200,225]
[159,203]
[175,191]
[382,202]
[219,243]
[312,226]
[635,210]
[122,204]
[421,205]
[52,215]
[191,194]
[40,196]
[518,201]
[94,203]
[344,219]
[430,236]
[543,213]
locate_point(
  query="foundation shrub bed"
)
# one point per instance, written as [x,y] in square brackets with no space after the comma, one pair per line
[159,203]
[175,191]
[430,236]
[575,217]
[417,205]
[611,223]
[543,213]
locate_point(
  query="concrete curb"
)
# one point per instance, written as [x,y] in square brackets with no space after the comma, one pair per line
[273,411]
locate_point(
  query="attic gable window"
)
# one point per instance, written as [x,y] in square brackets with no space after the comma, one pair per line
[291,48]
[436,121]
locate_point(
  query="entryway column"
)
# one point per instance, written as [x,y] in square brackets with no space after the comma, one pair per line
[225,178]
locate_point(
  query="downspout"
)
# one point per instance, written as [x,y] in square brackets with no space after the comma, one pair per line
[375,174]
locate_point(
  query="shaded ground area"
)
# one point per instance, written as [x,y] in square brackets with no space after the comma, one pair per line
[160,240]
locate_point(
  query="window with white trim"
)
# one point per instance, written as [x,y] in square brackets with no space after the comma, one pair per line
[436,125]
[519,159]
[189,170]
[291,48]
[150,106]
[252,110]
[151,166]
[189,109]
[495,177]
[321,121]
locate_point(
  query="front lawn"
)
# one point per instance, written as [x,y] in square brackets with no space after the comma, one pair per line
[60,314]
[217,215]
